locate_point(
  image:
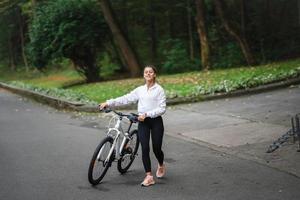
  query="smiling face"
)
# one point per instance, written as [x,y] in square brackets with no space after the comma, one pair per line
[149,74]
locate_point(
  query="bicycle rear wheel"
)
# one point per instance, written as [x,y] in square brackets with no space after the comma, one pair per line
[98,167]
[129,152]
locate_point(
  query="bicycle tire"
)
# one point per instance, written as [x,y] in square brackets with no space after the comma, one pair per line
[134,145]
[105,145]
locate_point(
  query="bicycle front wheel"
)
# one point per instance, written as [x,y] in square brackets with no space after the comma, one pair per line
[98,165]
[129,152]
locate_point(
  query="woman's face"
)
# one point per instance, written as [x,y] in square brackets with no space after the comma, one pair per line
[149,74]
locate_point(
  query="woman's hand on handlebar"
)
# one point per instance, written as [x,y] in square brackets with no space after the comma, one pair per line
[103,106]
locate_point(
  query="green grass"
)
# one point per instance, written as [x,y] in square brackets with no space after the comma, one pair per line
[178,85]
[53,78]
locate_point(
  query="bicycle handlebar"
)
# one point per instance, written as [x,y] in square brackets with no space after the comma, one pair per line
[132,116]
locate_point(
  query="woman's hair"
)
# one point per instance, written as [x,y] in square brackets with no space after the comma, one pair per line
[152,67]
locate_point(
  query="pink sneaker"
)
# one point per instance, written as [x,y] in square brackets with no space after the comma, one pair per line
[148,181]
[161,170]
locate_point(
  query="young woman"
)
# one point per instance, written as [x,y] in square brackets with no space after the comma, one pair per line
[151,105]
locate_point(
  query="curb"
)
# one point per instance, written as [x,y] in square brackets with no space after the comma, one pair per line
[267,87]
[51,101]
[76,106]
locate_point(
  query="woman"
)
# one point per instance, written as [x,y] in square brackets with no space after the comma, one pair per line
[151,105]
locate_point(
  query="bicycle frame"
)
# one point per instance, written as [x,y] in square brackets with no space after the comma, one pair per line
[116,132]
[118,145]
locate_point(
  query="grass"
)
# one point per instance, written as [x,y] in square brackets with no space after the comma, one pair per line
[178,85]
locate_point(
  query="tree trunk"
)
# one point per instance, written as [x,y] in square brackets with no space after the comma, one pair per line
[241,40]
[298,5]
[11,54]
[127,52]
[242,7]
[118,55]
[87,68]
[152,32]
[91,73]
[170,25]
[190,30]
[200,22]
[22,40]
[124,13]
[283,16]
[33,6]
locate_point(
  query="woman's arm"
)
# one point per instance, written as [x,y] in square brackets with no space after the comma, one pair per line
[129,98]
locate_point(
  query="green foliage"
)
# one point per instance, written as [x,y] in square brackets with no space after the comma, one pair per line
[67,95]
[242,78]
[27,8]
[178,85]
[229,55]
[270,27]
[73,29]
[9,34]
[108,68]
[176,57]
[224,52]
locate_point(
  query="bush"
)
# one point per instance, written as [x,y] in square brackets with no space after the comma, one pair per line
[228,56]
[108,68]
[73,29]
[176,56]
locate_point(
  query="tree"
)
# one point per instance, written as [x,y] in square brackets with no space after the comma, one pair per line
[73,29]
[22,37]
[12,17]
[190,30]
[123,44]
[236,35]
[298,6]
[152,31]
[200,22]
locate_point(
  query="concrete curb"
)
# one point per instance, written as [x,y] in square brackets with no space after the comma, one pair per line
[270,86]
[75,106]
[52,101]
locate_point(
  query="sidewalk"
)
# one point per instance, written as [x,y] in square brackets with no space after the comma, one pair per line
[242,126]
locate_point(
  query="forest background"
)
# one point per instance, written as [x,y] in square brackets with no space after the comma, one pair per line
[248,42]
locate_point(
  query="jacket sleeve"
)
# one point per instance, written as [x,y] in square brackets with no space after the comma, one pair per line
[129,98]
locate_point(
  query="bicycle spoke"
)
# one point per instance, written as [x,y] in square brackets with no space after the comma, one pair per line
[129,152]
[98,164]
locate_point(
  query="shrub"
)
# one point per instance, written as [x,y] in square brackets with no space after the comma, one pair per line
[176,56]
[228,56]
[73,29]
[108,68]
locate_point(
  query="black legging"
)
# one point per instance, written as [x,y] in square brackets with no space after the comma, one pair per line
[156,127]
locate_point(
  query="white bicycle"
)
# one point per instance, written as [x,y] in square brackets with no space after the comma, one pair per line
[117,146]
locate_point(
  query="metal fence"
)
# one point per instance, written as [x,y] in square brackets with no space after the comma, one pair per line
[293,133]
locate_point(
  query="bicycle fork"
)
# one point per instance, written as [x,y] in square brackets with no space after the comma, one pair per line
[115,146]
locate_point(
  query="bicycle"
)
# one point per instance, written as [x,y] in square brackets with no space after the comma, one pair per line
[117,146]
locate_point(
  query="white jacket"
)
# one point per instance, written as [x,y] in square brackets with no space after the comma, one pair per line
[152,101]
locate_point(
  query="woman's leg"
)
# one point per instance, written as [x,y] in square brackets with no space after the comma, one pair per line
[157,133]
[144,137]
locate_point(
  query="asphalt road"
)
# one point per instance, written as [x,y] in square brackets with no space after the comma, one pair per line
[45,155]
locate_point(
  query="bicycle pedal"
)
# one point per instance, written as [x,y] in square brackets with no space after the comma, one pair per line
[128,150]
